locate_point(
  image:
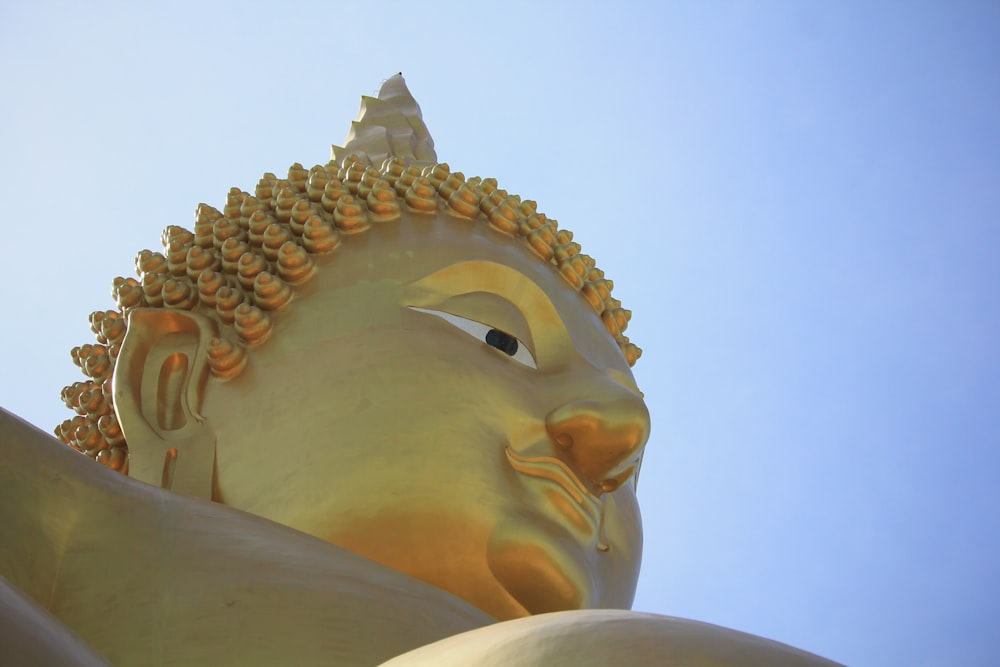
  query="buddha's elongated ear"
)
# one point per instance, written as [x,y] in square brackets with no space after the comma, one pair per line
[159,381]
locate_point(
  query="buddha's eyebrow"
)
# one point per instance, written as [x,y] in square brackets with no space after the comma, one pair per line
[485,276]
[491,277]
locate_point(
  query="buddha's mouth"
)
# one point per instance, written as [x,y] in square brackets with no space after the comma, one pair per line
[586,513]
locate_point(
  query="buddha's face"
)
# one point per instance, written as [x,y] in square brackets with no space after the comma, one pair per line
[440,401]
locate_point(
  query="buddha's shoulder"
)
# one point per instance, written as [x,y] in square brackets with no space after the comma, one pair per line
[135,571]
[603,637]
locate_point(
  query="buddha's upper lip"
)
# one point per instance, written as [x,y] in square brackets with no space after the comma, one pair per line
[551,468]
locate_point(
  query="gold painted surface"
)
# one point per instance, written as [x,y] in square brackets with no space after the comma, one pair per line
[146,576]
[597,638]
[369,406]
[414,365]
[397,444]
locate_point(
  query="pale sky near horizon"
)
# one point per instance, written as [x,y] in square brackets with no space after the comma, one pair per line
[799,201]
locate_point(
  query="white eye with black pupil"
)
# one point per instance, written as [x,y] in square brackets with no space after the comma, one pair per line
[495,338]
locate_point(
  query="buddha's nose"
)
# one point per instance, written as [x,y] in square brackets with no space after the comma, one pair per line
[601,436]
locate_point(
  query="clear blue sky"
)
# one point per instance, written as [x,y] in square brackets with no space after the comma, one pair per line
[798,200]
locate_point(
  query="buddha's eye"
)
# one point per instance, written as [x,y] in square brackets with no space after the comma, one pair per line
[496,338]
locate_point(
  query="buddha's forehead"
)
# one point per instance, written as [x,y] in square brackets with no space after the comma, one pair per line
[434,260]
[418,244]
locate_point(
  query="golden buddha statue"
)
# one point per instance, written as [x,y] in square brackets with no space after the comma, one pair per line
[370,406]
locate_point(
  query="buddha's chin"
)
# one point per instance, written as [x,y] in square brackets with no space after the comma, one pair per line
[540,568]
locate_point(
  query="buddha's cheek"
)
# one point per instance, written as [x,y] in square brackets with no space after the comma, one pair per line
[443,548]
[540,565]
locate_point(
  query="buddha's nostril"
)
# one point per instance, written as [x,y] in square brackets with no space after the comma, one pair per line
[598,437]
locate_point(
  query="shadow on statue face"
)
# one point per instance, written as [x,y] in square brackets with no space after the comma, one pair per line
[437,399]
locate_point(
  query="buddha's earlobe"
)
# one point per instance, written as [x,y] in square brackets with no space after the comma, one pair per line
[160,377]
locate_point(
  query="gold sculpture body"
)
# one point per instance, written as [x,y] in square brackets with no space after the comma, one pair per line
[409,396]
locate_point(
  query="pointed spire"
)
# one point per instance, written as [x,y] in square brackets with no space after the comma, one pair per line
[389,125]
